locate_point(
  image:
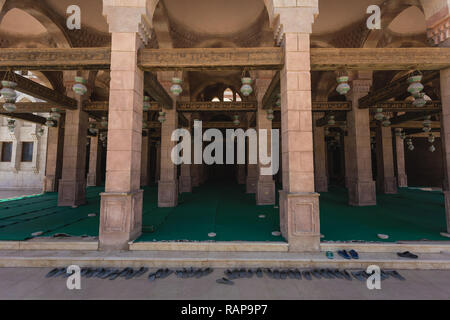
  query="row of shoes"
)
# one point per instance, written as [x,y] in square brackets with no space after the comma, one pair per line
[360,275]
[384,274]
[193,273]
[101,273]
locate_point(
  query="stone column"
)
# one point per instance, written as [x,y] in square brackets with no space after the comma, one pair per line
[121,203]
[445,137]
[53,165]
[402,179]
[168,184]
[346,160]
[251,181]
[95,161]
[158,161]
[361,187]
[145,161]
[320,156]
[185,183]
[240,173]
[72,186]
[265,188]
[299,204]
[386,181]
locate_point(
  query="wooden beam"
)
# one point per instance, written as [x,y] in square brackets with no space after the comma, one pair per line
[217,106]
[36,107]
[29,117]
[39,91]
[272,91]
[324,59]
[409,125]
[411,116]
[328,106]
[400,106]
[338,117]
[335,106]
[55,59]
[156,90]
[191,59]
[392,90]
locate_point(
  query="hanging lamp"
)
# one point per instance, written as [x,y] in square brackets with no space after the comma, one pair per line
[176,88]
[343,87]
[415,85]
[379,116]
[146,105]
[80,86]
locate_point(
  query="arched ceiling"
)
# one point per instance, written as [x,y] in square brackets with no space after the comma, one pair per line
[214,17]
[410,21]
[91,12]
[19,23]
[336,15]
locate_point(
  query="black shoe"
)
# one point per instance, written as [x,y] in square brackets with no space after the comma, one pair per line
[407,254]
[259,273]
[297,274]
[152,277]
[276,274]
[354,254]
[338,274]
[291,274]
[225,281]
[140,272]
[347,275]
[52,273]
[344,254]
[114,275]
[307,275]
[316,274]
[283,275]
[396,275]
[358,276]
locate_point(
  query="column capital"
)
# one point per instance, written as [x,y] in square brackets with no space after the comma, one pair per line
[361,86]
[294,16]
[128,17]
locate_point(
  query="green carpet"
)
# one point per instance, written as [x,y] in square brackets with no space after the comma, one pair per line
[409,215]
[222,208]
[225,209]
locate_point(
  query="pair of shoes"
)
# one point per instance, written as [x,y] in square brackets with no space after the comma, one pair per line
[329,255]
[352,254]
[407,254]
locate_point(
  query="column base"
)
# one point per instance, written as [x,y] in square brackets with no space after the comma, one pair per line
[251,184]
[50,184]
[71,193]
[120,219]
[240,174]
[361,194]
[185,184]
[321,184]
[265,193]
[92,180]
[402,180]
[167,194]
[389,185]
[299,221]
[195,176]
[447,209]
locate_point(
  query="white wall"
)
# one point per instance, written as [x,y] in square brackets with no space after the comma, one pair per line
[17,174]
